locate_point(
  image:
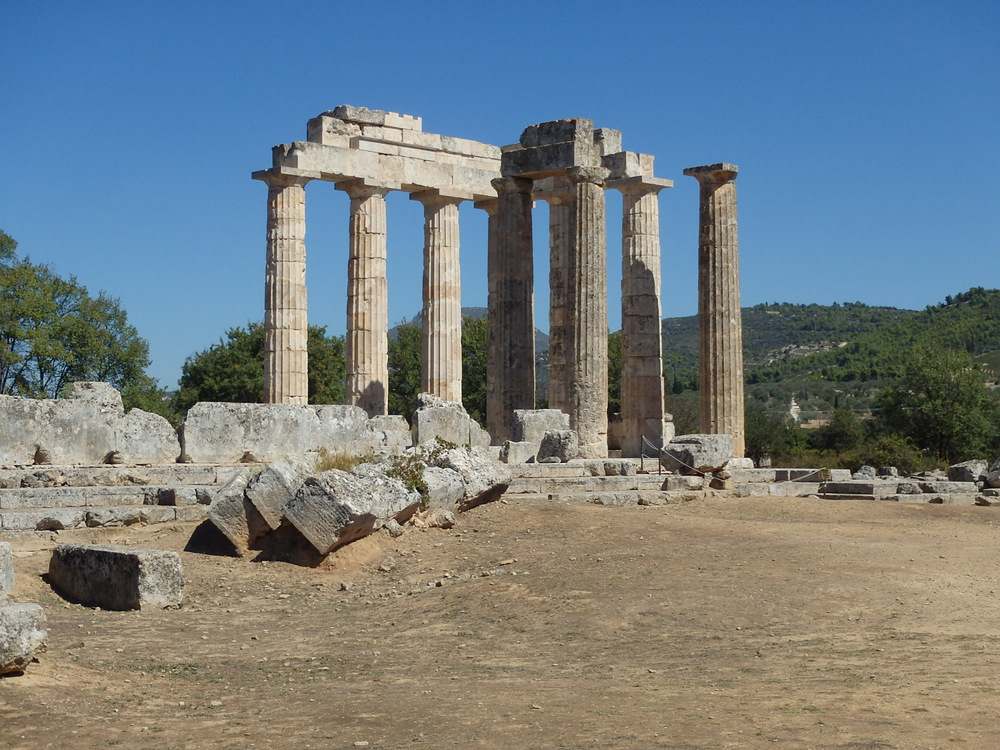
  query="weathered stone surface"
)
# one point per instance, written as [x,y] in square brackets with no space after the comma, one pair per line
[224,433]
[22,634]
[704,453]
[485,479]
[117,577]
[234,515]
[142,438]
[530,425]
[436,418]
[512,452]
[272,489]
[993,475]
[445,488]
[337,507]
[938,487]
[865,472]
[888,472]
[6,571]
[558,446]
[968,471]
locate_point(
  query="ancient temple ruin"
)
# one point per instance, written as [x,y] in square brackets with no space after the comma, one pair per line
[567,163]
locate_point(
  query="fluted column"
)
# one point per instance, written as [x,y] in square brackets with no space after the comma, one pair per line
[511,335]
[367,343]
[559,233]
[720,328]
[441,363]
[587,311]
[642,393]
[286,362]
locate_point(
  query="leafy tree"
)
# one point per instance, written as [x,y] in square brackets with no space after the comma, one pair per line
[404,369]
[942,404]
[845,431]
[614,372]
[474,356]
[53,332]
[233,370]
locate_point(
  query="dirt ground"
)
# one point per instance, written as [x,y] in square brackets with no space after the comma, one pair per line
[721,623]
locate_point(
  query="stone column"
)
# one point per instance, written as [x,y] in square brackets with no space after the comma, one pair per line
[720,327]
[642,393]
[286,359]
[511,317]
[587,311]
[559,232]
[367,343]
[441,350]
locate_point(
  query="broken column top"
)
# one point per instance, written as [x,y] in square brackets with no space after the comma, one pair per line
[721,172]
[365,116]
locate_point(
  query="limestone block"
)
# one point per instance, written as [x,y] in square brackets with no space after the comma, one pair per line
[235,516]
[436,418]
[335,508]
[6,571]
[558,131]
[272,489]
[619,468]
[391,432]
[703,453]
[518,452]
[531,424]
[445,488]
[968,471]
[22,633]
[680,482]
[993,475]
[117,577]
[948,487]
[142,437]
[865,472]
[561,445]
[485,478]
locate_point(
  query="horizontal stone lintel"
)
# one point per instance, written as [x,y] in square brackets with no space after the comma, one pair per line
[625,183]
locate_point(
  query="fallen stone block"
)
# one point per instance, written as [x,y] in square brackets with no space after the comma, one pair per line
[948,487]
[445,488]
[993,474]
[6,571]
[436,419]
[675,482]
[272,489]
[22,634]
[513,452]
[530,425]
[968,471]
[485,479]
[697,453]
[117,577]
[558,446]
[235,516]
[337,507]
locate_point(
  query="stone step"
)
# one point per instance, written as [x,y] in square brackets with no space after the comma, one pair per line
[546,485]
[47,519]
[24,498]
[109,476]
[620,499]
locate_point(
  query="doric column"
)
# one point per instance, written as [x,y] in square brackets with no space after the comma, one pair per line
[587,311]
[720,328]
[367,343]
[642,394]
[441,363]
[286,359]
[511,318]
[559,233]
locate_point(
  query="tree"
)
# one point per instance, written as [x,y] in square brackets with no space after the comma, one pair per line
[404,369]
[53,332]
[474,356]
[233,370]
[845,431]
[942,404]
[614,372]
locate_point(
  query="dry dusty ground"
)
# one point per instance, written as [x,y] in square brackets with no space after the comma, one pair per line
[750,623]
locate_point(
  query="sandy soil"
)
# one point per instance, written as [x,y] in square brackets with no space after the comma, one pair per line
[736,623]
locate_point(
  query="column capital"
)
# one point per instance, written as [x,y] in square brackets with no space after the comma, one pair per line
[639,185]
[440,197]
[508,185]
[282,178]
[710,174]
[593,175]
[362,188]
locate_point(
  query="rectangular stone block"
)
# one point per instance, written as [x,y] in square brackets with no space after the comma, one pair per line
[608,140]
[6,571]
[544,160]
[558,131]
[22,633]
[117,577]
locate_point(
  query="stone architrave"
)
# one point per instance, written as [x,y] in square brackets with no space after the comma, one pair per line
[367,341]
[587,311]
[441,350]
[720,328]
[642,394]
[286,363]
[511,319]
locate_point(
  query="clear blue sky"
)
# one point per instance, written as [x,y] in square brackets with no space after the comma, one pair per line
[866,134]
